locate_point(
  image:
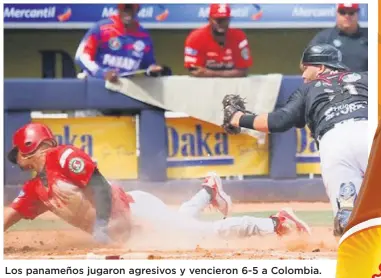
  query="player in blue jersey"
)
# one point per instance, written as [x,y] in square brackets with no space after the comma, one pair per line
[118,46]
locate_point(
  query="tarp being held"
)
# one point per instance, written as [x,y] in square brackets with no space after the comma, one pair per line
[201,98]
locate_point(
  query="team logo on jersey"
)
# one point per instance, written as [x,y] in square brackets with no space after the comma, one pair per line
[352,77]
[245,53]
[114,43]
[190,51]
[337,43]
[139,46]
[76,165]
[21,194]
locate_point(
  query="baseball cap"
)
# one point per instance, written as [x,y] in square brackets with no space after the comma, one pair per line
[355,7]
[219,10]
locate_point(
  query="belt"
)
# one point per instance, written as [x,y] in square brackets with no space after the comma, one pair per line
[324,131]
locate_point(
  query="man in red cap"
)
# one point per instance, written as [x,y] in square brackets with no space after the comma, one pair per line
[216,50]
[348,37]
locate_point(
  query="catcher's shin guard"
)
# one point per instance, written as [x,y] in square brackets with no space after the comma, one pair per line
[345,202]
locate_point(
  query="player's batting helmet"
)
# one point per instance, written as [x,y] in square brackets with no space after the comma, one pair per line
[323,54]
[28,138]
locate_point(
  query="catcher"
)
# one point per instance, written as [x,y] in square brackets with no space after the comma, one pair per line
[333,103]
[70,185]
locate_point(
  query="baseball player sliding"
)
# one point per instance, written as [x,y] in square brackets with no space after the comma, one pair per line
[333,103]
[70,185]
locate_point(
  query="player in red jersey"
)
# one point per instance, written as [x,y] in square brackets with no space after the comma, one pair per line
[69,184]
[216,50]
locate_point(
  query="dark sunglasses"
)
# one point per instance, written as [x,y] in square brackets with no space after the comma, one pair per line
[348,12]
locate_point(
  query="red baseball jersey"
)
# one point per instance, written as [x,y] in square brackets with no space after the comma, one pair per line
[62,189]
[201,50]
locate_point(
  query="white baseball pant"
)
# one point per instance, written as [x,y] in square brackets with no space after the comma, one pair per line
[344,159]
[148,208]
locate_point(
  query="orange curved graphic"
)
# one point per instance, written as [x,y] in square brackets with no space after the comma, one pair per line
[163,16]
[65,16]
[257,15]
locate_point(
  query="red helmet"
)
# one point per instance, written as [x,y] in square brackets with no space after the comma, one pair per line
[28,138]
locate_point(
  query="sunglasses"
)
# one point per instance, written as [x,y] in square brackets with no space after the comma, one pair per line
[346,12]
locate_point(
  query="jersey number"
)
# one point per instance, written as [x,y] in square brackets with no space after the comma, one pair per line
[351,89]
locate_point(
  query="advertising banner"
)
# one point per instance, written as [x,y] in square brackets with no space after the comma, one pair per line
[307,156]
[196,147]
[174,16]
[111,142]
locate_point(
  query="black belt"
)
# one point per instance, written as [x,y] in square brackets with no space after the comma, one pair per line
[324,131]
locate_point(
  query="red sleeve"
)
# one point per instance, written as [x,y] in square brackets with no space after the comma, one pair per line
[242,54]
[87,51]
[193,54]
[27,203]
[76,165]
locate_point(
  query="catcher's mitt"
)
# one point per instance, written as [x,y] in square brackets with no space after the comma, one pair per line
[232,104]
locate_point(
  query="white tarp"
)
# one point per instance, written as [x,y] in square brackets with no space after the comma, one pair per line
[201,98]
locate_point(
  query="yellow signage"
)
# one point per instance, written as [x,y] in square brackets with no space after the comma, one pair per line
[110,141]
[307,154]
[196,147]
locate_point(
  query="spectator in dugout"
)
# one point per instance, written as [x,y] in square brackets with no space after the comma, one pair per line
[118,46]
[348,37]
[216,50]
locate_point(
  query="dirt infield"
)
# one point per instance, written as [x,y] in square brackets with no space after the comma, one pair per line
[74,244]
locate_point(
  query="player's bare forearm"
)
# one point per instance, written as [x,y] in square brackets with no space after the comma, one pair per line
[232,73]
[11,217]
[259,122]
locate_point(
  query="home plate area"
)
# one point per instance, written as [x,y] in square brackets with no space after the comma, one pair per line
[49,238]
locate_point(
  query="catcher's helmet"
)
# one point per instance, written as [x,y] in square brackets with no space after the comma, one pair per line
[28,138]
[323,54]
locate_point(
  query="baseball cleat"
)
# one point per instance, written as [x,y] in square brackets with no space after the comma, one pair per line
[220,200]
[287,222]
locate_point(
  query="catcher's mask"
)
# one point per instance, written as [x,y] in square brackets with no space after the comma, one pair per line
[28,138]
[323,54]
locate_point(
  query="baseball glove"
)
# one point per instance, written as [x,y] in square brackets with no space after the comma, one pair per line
[232,104]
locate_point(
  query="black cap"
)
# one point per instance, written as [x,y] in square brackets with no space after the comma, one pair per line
[323,54]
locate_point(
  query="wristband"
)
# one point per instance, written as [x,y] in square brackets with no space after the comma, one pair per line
[247,121]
